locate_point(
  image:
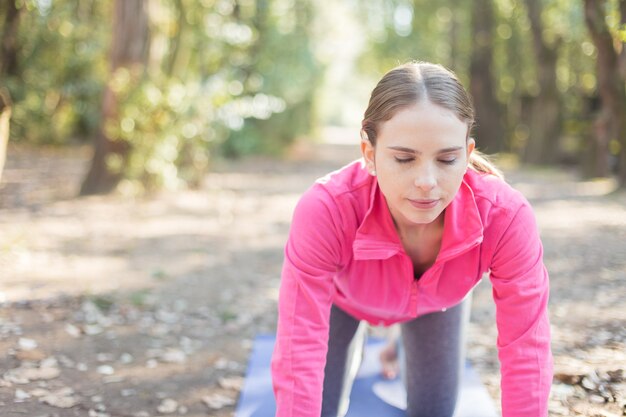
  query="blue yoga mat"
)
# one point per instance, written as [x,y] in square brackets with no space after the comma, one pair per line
[372,396]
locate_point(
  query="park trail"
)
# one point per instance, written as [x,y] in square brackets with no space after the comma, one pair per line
[122,306]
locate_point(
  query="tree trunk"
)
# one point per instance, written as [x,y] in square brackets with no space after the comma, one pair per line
[8,67]
[622,55]
[545,117]
[490,128]
[8,46]
[610,123]
[129,50]
[179,54]
[5,117]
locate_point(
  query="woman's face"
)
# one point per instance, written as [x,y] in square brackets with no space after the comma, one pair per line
[420,158]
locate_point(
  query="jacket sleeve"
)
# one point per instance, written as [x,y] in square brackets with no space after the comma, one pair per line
[311,260]
[520,290]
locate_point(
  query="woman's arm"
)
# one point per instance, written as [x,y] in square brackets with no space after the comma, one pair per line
[312,258]
[521,290]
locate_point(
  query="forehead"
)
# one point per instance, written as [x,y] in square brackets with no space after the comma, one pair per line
[422,125]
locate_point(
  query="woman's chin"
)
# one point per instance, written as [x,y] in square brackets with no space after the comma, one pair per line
[423,217]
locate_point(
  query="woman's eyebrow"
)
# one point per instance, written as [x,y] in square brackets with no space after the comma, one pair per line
[450,149]
[413,151]
[403,149]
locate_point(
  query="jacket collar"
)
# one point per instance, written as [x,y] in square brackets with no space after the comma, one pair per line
[377,238]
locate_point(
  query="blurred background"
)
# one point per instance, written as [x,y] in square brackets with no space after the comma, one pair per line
[159,88]
[152,151]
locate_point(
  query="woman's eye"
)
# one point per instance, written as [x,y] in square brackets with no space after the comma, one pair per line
[448,161]
[403,160]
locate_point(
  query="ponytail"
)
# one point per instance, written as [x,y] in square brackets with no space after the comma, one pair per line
[479,162]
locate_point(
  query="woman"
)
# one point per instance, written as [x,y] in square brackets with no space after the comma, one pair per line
[402,236]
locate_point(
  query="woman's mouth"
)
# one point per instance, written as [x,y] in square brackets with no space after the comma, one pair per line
[424,203]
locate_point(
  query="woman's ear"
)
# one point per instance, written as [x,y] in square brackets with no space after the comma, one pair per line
[368,151]
[471,144]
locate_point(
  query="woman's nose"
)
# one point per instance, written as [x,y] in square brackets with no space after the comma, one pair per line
[425,178]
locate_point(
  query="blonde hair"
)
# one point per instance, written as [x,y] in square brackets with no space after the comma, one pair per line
[412,83]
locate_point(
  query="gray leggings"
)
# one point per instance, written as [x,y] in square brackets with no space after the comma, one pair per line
[433,347]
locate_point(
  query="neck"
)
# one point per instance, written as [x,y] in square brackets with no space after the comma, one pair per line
[417,230]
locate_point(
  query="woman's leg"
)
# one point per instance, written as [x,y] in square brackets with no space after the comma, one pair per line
[434,354]
[342,361]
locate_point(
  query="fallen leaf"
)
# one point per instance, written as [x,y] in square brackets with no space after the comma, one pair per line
[39,392]
[26,344]
[72,330]
[167,406]
[597,399]
[113,379]
[49,362]
[562,390]
[217,401]
[105,370]
[33,355]
[590,381]
[63,398]
[25,375]
[126,358]
[234,383]
[616,375]
[100,407]
[223,363]
[21,395]
[173,356]
[556,408]
[567,378]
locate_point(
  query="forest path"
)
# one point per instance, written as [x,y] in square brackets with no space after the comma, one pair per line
[126,306]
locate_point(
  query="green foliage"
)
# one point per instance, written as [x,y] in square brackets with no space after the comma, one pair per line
[402,30]
[157,120]
[103,302]
[282,73]
[405,30]
[172,127]
[62,70]
[234,77]
[223,76]
[139,298]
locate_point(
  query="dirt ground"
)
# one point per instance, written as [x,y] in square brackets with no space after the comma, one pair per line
[137,307]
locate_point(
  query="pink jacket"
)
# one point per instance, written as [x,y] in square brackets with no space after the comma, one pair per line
[343,249]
